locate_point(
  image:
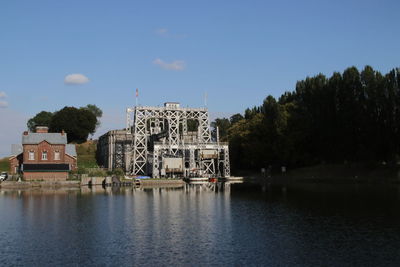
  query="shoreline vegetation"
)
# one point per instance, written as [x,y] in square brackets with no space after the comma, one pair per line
[330,174]
[339,129]
[4,165]
[324,174]
[347,118]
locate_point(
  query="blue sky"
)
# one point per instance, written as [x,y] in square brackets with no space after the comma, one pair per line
[237,51]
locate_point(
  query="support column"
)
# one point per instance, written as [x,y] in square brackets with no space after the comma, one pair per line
[156,165]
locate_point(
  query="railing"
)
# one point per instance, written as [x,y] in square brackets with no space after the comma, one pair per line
[195,143]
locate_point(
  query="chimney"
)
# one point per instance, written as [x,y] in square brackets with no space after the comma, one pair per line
[62,132]
[26,133]
[42,129]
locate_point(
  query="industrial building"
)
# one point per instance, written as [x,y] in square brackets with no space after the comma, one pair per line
[168,141]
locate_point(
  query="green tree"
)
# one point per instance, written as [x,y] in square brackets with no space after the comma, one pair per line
[223,126]
[43,118]
[351,116]
[78,123]
[192,125]
[236,118]
[96,111]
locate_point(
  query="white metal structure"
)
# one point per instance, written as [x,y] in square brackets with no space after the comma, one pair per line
[164,132]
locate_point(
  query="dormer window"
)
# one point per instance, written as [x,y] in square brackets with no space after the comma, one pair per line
[44,155]
[57,155]
[31,155]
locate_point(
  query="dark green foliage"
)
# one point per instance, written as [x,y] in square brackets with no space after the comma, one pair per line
[96,111]
[354,116]
[192,125]
[236,118]
[43,118]
[78,123]
[223,126]
[118,172]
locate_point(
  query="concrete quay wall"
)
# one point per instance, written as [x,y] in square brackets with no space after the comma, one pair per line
[27,184]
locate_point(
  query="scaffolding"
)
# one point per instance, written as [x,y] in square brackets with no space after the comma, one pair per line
[166,141]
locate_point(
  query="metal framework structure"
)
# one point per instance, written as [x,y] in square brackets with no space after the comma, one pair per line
[154,135]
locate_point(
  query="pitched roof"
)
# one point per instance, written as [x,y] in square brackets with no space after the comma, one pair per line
[52,138]
[16,149]
[70,150]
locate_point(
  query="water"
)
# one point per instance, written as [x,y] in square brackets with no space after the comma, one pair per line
[233,224]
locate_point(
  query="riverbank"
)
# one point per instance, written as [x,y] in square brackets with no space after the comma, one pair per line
[37,184]
[79,183]
[331,174]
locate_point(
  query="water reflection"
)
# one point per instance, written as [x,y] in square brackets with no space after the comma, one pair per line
[187,187]
[201,224]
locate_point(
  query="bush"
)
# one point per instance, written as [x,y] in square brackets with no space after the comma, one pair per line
[73,176]
[97,173]
[82,171]
[118,172]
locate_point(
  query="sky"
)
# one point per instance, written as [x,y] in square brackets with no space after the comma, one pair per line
[73,53]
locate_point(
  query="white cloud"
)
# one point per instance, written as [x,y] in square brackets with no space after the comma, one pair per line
[3,95]
[3,104]
[162,32]
[177,65]
[76,78]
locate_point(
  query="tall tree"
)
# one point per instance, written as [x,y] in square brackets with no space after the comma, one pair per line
[96,111]
[43,118]
[78,123]
[223,126]
[236,118]
[350,116]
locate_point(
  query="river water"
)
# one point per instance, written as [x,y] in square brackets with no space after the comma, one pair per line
[211,224]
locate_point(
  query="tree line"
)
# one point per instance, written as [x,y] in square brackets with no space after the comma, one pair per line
[349,117]
[78,123]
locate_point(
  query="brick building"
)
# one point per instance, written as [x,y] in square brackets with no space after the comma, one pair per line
[43,156]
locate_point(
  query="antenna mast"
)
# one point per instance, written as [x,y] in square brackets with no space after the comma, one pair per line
[137,96]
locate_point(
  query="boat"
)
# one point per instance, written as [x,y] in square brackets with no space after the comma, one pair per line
[196,179]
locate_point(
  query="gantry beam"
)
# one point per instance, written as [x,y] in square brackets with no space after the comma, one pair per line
[155,134]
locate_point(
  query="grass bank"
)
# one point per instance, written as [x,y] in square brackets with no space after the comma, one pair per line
[87,154]
[4,165]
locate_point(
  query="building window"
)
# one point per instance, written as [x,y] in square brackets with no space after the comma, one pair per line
[57,155]
[31,155]
[44,155]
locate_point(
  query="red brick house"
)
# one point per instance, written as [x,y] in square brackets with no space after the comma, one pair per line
[43,156]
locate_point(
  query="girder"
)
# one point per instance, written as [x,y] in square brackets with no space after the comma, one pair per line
[172,122]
